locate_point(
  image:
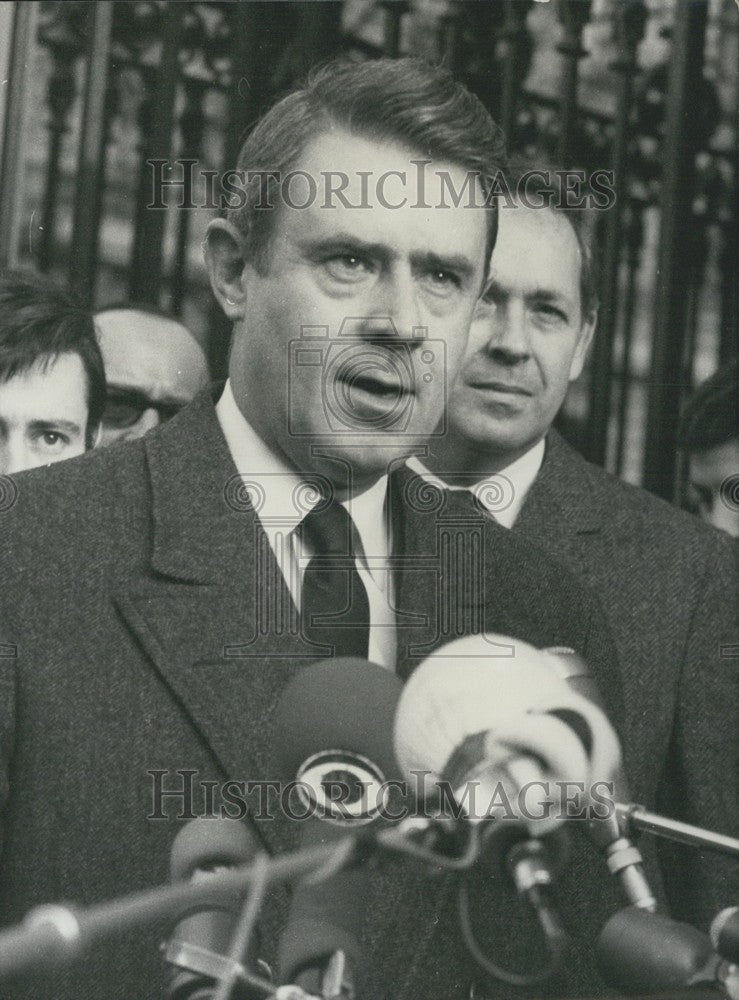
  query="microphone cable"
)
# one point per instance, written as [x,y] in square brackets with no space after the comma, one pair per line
[530,863]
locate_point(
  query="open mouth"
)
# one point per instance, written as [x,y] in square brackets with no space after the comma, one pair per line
[367,382]
[502,387]
[376,375]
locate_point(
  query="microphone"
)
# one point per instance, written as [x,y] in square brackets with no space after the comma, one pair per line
[333,729]
[502,725]
[640,952]
[623,859]
[201,939]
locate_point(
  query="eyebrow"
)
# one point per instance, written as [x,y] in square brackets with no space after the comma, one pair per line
[454,262]
[344,243]
[55,425]
[536,294]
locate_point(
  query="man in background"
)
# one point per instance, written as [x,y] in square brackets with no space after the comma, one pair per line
[154,366]
[159,643]
[708,437]
[665,581]
[52,381]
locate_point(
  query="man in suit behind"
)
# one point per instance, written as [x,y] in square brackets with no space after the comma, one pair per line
[146,641]
[666,582]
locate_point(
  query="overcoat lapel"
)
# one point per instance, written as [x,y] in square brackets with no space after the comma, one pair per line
[461,573]
[442,586]
[566,513]
[212,612]
[564,508]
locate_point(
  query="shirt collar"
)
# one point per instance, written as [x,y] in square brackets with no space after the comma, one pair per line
[284,496]
[503,493]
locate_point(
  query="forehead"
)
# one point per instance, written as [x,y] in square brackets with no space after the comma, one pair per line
[536,248]
[385,197]
[50,390]
[138,347]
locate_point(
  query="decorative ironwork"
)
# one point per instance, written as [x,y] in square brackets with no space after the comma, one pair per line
[188,78]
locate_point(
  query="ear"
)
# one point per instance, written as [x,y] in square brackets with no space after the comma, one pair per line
[583,343]
[224,257]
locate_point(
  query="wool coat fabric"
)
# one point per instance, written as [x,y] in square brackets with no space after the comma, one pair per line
[141,637]
[667,586]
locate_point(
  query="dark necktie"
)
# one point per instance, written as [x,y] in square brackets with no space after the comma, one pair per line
[334,605]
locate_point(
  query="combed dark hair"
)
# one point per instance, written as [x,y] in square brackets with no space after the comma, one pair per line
[40,321]
[536,178]
[709,419]
[413,103]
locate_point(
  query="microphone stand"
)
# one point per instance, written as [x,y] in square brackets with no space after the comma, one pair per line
[636,818]
[682,956]
[55,935]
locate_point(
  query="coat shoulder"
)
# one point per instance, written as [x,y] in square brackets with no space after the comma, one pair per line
[73,512]
[626,508]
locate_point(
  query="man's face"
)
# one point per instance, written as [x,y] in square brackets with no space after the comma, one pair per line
[381,278]
[43,414]
[710,475]
[528,339]
[153,367]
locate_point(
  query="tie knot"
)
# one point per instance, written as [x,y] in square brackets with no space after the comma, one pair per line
[328,529]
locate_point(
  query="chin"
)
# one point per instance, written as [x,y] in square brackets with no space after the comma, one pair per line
[498,435]
[357,460]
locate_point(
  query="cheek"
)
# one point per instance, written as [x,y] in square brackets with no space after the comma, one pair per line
[557,361]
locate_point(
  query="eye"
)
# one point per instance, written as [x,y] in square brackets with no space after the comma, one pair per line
[441,282]
[551,314]
[347,267]
[52,441]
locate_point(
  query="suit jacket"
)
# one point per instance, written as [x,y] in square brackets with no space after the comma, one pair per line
[136,640]
[667,584]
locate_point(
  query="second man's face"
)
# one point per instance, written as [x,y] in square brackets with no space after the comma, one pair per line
[528,338]
[350,338]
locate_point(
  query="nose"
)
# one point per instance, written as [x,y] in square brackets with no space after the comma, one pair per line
[393,310]
[509,338]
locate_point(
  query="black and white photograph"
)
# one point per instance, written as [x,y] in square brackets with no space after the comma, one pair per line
[369,500]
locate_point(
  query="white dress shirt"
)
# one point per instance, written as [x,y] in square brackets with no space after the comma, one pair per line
[283,497]
[502,493]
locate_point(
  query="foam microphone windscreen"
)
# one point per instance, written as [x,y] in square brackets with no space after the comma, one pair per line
[344,704]
[640,951]
[491,683]
[334,721]
[201,849]
[204,844]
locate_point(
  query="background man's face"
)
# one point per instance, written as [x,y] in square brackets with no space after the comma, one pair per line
[528,339]
[709,475]
[378,275]
[153,367]
[43,414]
